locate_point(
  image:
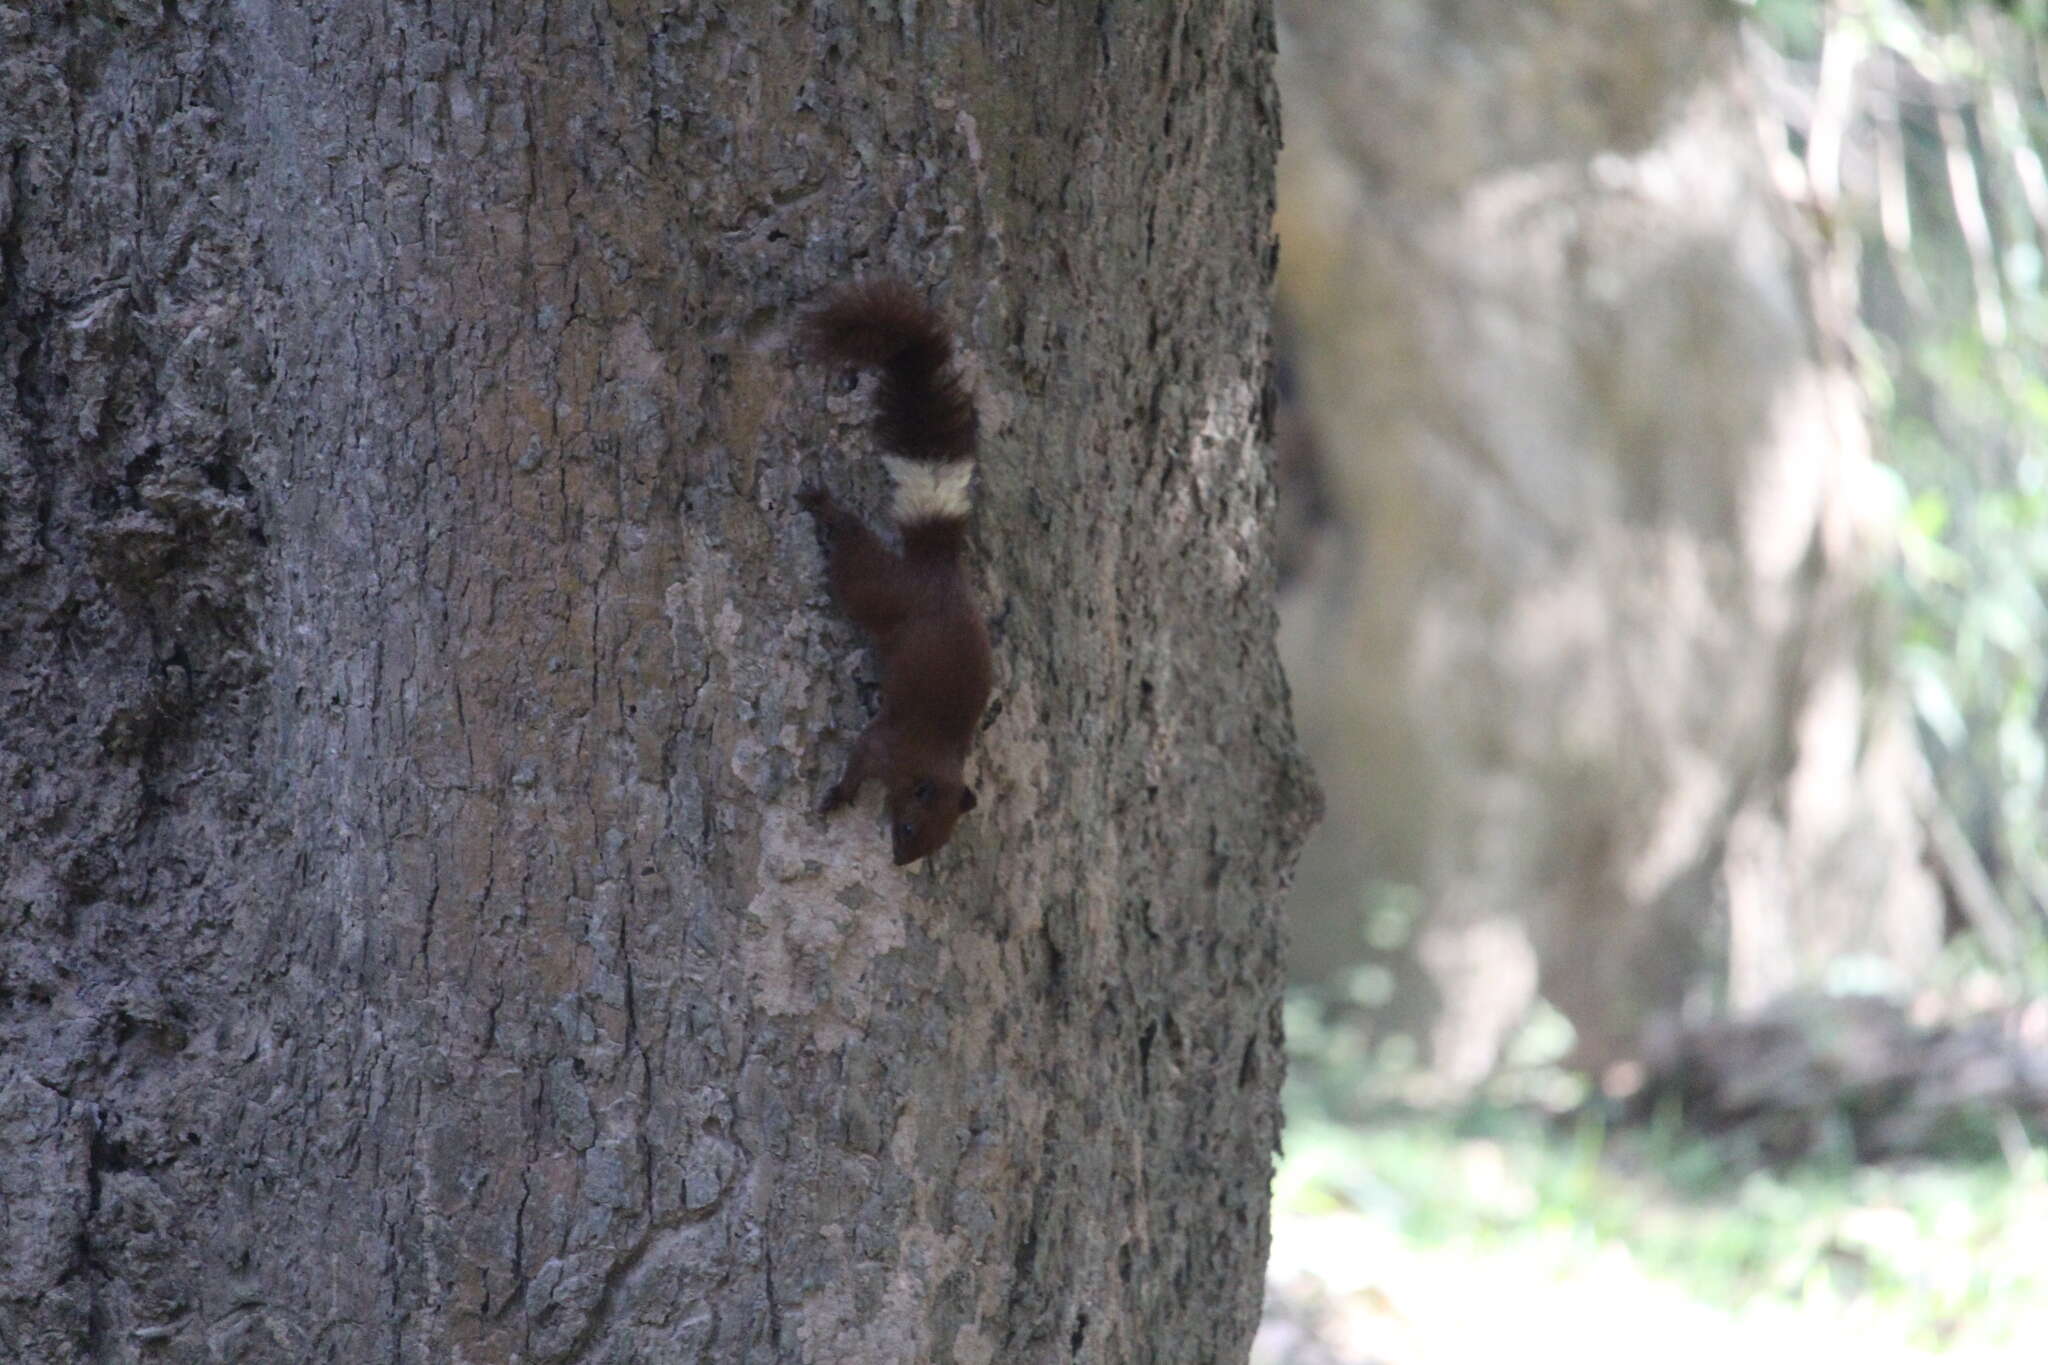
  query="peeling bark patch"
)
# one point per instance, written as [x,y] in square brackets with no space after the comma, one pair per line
[813,950]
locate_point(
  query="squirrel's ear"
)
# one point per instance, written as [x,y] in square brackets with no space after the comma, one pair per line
[967,801]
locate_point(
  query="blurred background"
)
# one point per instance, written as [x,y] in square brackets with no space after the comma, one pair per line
[1663,431]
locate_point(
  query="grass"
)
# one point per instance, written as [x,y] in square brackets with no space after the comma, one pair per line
[1654,1238]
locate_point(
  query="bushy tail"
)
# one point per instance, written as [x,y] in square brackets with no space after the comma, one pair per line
[923,410]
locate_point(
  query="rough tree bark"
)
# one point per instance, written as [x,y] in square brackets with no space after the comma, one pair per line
[415,943]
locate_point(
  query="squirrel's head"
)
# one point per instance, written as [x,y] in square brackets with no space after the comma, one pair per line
[923,811]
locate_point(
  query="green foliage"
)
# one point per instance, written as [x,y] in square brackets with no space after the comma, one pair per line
[1952,293]
[1795,26]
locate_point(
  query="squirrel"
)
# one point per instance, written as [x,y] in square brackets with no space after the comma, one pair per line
[917,605]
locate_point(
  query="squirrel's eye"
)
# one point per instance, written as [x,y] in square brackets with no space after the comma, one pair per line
[906,833]
[923,791]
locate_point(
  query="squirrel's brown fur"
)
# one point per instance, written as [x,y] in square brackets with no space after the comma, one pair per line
[915,604]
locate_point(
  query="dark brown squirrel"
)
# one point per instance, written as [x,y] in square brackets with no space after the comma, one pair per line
[916,605]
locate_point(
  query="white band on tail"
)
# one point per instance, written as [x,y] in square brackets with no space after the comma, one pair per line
[929,492]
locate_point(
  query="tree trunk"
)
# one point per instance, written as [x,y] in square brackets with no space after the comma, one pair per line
[1593,662]
[417,944]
